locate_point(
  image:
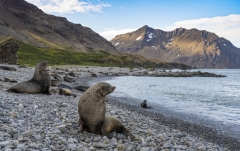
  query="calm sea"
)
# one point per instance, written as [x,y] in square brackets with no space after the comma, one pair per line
[217,99]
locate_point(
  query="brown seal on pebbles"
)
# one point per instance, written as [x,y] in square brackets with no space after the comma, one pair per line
[62,91]
[81,88]
[68,79]
[55,82]
[92,107]
[56,76]
[8,68]
[111,124]
[40,82]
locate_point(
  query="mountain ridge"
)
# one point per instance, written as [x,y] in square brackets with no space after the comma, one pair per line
[198,48]
[29,24]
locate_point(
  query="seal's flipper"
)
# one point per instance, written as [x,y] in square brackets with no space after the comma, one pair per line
[81,125]
[127,133]
[105,133]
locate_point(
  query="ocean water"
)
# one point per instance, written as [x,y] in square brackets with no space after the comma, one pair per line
[217,99]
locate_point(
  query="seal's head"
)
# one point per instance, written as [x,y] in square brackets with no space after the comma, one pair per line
[42,67]
[104,89]
[40,70]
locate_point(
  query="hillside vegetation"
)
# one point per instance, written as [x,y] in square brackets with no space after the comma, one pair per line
[31,55]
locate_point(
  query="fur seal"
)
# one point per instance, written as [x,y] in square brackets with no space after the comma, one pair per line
[40,82]
[72,74]
[8,68]
[92,74]
[55,82]
[4,79]
[68,79]
[111,124]
[92,107]
[56,76]
[63,91]
[64,86]
[81,88]
[144,104]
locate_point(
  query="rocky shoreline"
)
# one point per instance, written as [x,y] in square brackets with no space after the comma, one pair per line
[48,122]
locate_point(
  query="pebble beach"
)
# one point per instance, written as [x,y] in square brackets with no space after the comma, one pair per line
[49,122]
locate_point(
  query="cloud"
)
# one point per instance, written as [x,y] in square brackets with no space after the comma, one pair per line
[122,7]
[111,33]
[223,26]
[68,6]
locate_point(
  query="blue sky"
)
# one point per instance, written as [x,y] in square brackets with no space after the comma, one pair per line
[112,17]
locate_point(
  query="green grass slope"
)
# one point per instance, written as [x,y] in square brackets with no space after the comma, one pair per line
[31,55]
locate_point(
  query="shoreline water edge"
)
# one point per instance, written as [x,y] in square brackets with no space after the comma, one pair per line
[43,122]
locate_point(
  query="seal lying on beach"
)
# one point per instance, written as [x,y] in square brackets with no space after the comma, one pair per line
[56,76]
[81,88]
[144,104]
[4,79]
[92,107]
[55,82]
[68,79]
[63,91]
[8,68]
[64,86]
[40,82]
[110,124]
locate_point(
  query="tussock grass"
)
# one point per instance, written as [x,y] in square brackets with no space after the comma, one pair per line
[31,55]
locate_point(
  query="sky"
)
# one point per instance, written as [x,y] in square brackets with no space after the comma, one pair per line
[113,17]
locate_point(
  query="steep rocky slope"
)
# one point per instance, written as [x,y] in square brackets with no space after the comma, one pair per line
[31,25]
[193,47]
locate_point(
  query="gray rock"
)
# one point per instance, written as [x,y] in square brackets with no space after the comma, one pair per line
[92,148]
[129,148]
[7,135]
[4,120]
[8,149]
[1,139]
[37,137]
[20,106]
[145,149]
[58,147]
[97,138]
[121,147]
[88,140]
[72,132]
[145,144]
[202,148]
[72,146]
[57,131]
[27,133]
[34,145]
[21,146]
[5,143]
[12,132]
[179,135]
[101,145]
[62,128]
[138,148]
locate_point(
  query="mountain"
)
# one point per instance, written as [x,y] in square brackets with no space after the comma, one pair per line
[197,48]
[31,25]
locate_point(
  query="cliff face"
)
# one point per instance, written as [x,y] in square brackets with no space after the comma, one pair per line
[31,25]
[193,47]
[8,50]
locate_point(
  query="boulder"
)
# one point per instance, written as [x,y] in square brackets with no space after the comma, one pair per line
[8,49]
